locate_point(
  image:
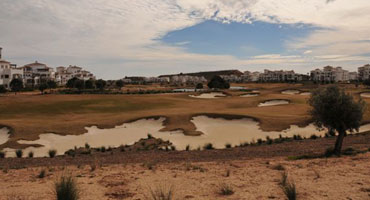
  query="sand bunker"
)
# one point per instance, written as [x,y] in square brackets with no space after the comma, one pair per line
[237,88]
[365,94]
[212,95]
[273,103]
[4,135]
[290,92]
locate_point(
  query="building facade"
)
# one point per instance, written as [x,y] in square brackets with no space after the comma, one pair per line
[332,74]
[8,72]
[37,73]
[63,74]
[364,72]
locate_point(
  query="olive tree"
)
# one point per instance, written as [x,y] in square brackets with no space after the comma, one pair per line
[16,85]
[334,109]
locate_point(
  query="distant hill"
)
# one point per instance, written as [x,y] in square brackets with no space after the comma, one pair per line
[208,74]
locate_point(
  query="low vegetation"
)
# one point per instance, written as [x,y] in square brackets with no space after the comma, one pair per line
[225,189]
[66,188]
[161,192]
[288,187]
[208,146]
[19,153]
[52,153]
[30,154]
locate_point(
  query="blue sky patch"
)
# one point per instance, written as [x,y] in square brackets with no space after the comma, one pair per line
[237,39]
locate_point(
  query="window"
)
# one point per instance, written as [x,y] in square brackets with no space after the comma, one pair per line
[7,76]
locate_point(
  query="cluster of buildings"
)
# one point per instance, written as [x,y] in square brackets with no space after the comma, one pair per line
[177,80]
[34,74]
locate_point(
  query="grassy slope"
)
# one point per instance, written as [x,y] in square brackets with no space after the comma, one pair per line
[31,115]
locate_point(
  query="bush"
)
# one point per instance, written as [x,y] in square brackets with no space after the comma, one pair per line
[288,188]
[228,146]
[269,140]
[150,136]
[313,137]
[226,189]
[42,174]
[2,154]
[329,152]
[52,153]
[66,188]
[19,153]
[2,89]
[162,193]
[30,154]
[208,146]
[259,141]
[187,148]
[102,149]
[87,146]
[297,137]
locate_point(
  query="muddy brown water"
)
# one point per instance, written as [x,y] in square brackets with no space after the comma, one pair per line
[217,131]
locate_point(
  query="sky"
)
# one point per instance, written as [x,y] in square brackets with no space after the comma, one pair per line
[117,38]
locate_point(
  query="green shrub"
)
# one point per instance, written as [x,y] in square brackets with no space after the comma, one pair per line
[102,149]
[66,188]
[87,146]
[2,154]
[19,153]
[208,146]
[228,146]
[52,153]
[313,137]
[259,141]
[30,154]
[150,136]
[187,148]
[269,140]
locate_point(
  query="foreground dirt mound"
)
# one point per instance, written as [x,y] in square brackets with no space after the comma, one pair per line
[333,178]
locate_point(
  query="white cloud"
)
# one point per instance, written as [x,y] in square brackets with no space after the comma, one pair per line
[122,34]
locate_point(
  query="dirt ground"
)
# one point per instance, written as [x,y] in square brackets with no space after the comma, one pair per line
[333,178]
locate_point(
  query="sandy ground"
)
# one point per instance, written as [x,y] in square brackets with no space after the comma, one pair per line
[333,178]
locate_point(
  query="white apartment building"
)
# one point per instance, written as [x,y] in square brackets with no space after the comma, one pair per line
[8,72]
[63,74]
[279,76]
[187,80]
[331,74]
[250,76]
[37,73]
[364,72]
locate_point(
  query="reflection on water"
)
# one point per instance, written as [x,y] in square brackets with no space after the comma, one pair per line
[217,131]
[212,95]
[273,103]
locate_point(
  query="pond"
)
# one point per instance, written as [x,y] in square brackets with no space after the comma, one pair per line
[273,102]
[290,92]
[250,95]
[211,95]
[217,131]
[365,94]
[4,135]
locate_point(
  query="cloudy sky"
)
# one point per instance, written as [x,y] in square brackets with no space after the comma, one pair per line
[115,38]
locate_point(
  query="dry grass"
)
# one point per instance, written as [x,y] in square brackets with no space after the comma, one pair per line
[31,114]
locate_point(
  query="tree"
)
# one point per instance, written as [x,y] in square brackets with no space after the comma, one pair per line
[119,84]
[100,84]
[42,87]
[218,83]
[2,89]
[79,84]
[89,84]
[334,109]
[199,86]
[71,83]
[51,84]
[16,85]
